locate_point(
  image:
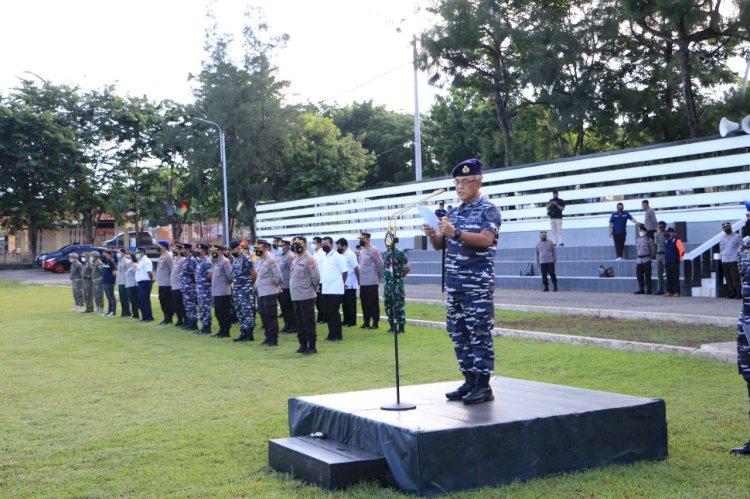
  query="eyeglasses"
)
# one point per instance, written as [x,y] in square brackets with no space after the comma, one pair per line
[465,182]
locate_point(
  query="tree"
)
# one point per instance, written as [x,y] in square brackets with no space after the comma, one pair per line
[321,160]
[389,135]
[247,102]
[702,35]
[37,157]
[476,45]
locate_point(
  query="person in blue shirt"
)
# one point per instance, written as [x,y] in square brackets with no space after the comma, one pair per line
[618,228]
[440,212]
[672,263]
[109,272]
[469,236]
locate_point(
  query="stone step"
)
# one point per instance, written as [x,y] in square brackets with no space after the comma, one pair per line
[324,462]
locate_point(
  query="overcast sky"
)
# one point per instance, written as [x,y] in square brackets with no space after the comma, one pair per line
[150,46]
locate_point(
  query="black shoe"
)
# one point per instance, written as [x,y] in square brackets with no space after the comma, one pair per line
[743,451]
[660,292]
[162,323]
[242,337]
[374,326]
[639,292]
[302,349]
[310,351]
[462,390]
[648,292]
[545,289]
[205,330]
[479,394]
[264,342]
[366,325]
[284,329]
[401,328]
[330,339]
[272,343]
[554,288]
[391,329]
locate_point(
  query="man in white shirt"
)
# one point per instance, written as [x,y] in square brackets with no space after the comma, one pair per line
[144,279]
[319,254]
[333,274]
[349,304]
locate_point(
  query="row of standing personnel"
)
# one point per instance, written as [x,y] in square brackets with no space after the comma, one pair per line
[235,282]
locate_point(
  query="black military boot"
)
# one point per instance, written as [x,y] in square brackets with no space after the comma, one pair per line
[648,291]
[192,326]
[481,391]
[374,325]
[639,292]
[205,330]
[554,286]
[178,323]
[464,389]
[311,348]
[302,348]
[242,336]
[366,325]
[401,328]
[392,329]
[743,451]
[545,289]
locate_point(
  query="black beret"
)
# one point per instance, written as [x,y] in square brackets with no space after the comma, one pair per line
[202,246]
[234,244]
[467,168]
[187,245]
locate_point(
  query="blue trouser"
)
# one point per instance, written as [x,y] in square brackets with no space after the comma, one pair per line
[124,302]
[144,299]
[244,306]
[471,319]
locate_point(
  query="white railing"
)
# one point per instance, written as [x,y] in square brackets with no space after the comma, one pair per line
[699,181]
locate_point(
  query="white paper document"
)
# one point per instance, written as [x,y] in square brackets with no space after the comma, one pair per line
[429,217]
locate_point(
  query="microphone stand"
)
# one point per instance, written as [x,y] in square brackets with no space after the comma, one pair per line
[389,241]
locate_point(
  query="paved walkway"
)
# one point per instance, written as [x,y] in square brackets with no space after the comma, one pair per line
[692,310]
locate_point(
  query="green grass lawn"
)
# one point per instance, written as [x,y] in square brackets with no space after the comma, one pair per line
[668,333]
[102,407]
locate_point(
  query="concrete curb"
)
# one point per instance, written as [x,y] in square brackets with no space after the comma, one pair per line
[702,320]
[598,342]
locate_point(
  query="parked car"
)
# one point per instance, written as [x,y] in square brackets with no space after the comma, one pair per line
[39,260]
[59,261]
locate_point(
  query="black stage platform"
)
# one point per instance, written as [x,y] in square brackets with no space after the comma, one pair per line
[530,430]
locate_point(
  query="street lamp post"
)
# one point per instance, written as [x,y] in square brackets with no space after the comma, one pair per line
[223,155]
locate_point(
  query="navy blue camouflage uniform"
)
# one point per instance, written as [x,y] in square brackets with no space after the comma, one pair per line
[242,298]
[189,293]
[470,287]
[203,285]
[743,323]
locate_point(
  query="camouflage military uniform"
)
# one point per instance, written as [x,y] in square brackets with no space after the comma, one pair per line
[189,294]
[743,323]
[743,332]
[96,279]
[394,262]
[203,285]
[76,270]
[242,298]
[470,285]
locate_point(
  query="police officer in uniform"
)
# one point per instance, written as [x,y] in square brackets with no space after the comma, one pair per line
[189,291]
[175,278]
[396,268]
[221,289]
[743,328]
[88,284]
[285,298]
[164,282]
[470,233]
[203,288]
[243,277]
[371,272]
[76,280]
[267,282]
[303,285]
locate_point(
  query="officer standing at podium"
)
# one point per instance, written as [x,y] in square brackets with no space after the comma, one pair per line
[470,238]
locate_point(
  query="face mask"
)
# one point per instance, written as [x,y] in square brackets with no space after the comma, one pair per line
[298,248]
[91,259]
[196,254]
[340,251]
[258,252]
[326,248]
[279,251]
[544,238]
[137,256]
[642,234]
[214,255]
[175,253]
[119,255]
[728,231]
